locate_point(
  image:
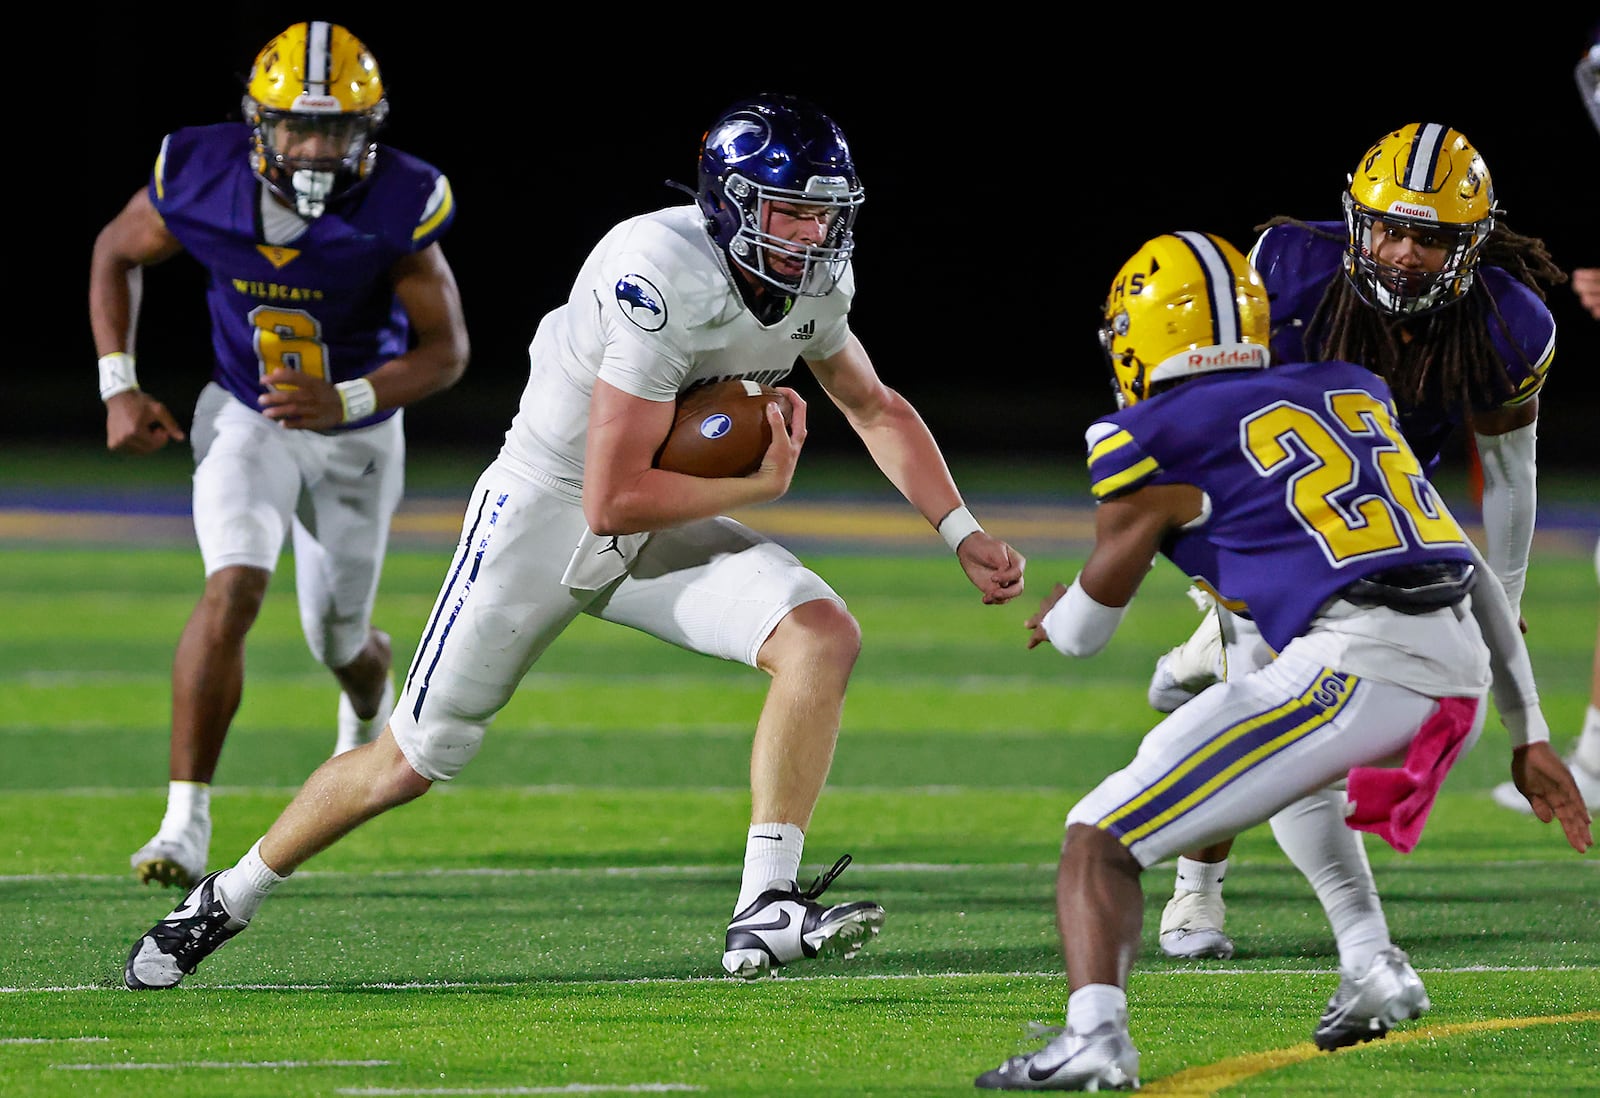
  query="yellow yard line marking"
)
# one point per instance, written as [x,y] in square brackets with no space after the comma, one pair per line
[1207,1080]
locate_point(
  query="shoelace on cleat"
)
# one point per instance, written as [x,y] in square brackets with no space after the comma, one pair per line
[180,940]
[823,880]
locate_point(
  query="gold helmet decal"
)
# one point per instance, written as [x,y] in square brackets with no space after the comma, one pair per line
[1186,303]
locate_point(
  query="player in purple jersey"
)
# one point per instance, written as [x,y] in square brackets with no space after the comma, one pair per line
[1423,283]
[1290,493]
[332,307]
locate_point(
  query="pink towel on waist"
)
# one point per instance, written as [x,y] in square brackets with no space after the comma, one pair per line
[1393,802]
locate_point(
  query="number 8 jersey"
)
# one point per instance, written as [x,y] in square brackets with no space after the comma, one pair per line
[1309,485]
[311,294]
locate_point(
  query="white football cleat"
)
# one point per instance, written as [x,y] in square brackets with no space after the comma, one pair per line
[784,924]
[1365,1009]
[1102,1059]
[175,861]
[171,949]
[1191,926]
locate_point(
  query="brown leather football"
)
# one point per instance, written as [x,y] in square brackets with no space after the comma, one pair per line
[721,430]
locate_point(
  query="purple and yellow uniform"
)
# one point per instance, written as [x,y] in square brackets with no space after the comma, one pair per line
[1297,265]
[1310,484]
[322,303]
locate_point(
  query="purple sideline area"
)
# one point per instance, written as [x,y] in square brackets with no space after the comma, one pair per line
[1035,525]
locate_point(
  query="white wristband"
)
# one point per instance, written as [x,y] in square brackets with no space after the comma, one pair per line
[955,527]
[116,374]
[358,398]
[1525,726]
[1078,625]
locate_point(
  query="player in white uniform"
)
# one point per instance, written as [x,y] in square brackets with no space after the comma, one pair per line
[1290,494]
[572,518]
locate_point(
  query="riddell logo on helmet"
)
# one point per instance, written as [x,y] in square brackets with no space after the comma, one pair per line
[1425,213]
[319,104]
[1215,359]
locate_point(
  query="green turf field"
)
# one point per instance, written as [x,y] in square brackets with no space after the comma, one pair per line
[551,922]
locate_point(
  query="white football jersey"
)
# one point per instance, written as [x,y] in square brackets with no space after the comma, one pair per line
[654,311]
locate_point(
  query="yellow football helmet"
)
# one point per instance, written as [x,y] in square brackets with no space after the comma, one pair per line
[1427,178]
[1187,303]
[316,101]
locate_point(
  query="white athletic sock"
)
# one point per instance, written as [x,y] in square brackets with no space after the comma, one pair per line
[244,886]
[771,853]
[1093,1005]
[1587,751]
[1333,858]
[1193,876]
[188,803]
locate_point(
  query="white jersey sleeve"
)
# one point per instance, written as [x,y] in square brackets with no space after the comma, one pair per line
[654,311]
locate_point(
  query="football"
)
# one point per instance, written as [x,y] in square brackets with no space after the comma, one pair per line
[721,429]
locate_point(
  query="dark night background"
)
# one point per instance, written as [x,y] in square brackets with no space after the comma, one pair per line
[1009,169]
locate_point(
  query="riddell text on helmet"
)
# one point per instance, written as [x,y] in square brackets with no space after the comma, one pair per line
[1234,356]
[1425,213]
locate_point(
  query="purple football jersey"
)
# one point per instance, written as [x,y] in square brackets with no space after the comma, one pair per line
[1311,483]
[1297,267]
[322,303]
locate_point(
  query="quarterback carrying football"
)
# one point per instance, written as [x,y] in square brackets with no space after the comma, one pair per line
[574,518]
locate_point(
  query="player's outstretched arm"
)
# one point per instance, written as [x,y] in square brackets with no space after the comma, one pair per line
[1544,779]
[903,447]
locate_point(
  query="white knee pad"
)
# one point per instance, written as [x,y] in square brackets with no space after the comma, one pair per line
[446,747]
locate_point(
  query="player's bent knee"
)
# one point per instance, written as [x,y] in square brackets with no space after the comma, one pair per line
[818,633]
[390,777]
[233,597]
[1086,845]
[437,750]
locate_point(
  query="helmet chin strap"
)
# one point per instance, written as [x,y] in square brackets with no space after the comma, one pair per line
[311,191]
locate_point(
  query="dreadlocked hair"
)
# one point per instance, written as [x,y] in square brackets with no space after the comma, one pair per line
[1448,361]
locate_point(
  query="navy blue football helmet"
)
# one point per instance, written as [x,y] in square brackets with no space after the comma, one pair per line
[777,148]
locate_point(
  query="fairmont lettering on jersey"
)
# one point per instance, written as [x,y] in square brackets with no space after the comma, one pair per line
[276,291]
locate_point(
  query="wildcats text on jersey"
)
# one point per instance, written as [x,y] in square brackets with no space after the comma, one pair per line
[276,291]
